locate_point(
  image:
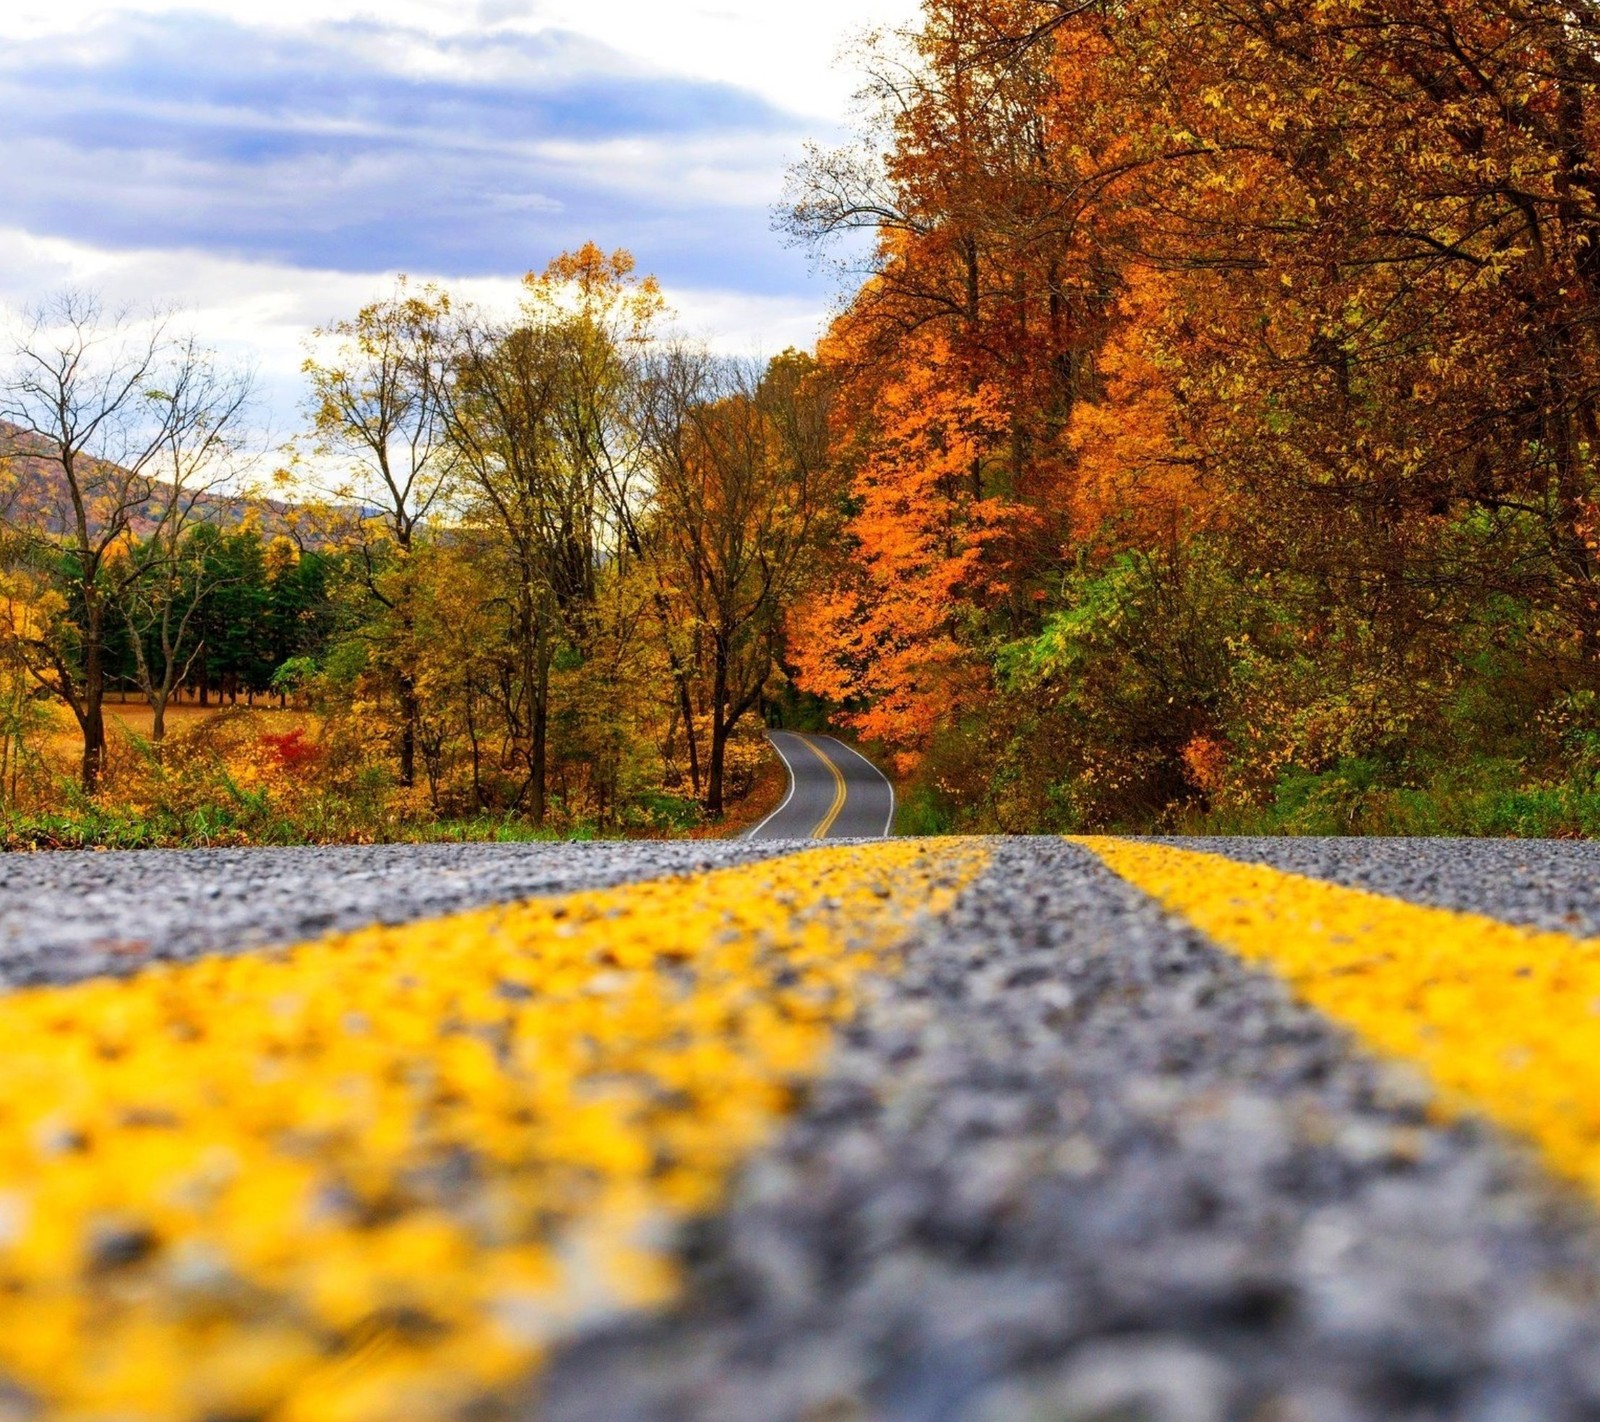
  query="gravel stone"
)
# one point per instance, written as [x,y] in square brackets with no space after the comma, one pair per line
[1148,1379]
[1072,1164]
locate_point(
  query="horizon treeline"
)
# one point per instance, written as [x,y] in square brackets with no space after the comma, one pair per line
[1219,411]
[527,564]
[1210,441]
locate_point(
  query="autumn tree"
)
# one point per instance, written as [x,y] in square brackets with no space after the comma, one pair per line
[378,415]
[608,317]
[1292,300]
[743,496]
[538,507]
[959,363]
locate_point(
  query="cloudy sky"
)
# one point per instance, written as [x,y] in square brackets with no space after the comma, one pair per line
[267,163]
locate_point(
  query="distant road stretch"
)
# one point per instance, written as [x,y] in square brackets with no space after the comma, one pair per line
[834,792]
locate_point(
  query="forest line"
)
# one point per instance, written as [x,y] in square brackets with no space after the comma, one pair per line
[1220,412]
[529,566]
[1209,440]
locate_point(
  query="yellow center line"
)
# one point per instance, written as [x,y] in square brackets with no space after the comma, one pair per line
[839,790]
[376,1176]
[1505,1021]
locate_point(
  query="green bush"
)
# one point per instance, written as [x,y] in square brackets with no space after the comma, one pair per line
[1484,796]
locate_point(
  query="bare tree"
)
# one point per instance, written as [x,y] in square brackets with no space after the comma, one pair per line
[200,453]
[89,411]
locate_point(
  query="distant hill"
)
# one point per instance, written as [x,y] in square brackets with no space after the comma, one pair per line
[32,484]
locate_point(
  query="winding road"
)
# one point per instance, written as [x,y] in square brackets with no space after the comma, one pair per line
[834,792]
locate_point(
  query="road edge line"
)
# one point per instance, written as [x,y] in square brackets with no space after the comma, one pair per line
[783,804]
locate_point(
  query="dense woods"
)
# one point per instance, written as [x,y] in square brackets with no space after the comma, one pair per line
[1210,439]
[1219,409]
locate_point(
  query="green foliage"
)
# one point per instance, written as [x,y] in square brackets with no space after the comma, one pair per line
[923,811]
[1481,796]
[1174,691]
[1103,700]
[294,675]
[658,811]
[794,709]
[251,818]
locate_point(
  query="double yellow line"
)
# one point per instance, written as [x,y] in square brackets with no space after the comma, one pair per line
[827,822]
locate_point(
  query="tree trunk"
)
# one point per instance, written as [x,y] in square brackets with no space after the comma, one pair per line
[410,714]
[719,732]
[680,679]
[477,755]
[719,746]
[540,733]
[94,693]
[686,707]
[158,726]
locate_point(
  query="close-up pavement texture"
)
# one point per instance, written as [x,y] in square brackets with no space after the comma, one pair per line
[1067,1161]
[1073,1164]
[1552,884]
[72,915]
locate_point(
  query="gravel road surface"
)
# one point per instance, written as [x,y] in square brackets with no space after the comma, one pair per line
[1076,1165]
[1071,1163]
[1551,884]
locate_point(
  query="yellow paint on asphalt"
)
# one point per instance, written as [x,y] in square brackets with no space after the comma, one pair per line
[373,1178]
[839,791]
[1504,1020]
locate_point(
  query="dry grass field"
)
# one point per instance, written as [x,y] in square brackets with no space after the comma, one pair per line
[135,715]
[132,717]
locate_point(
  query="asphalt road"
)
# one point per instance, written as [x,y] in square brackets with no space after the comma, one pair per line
[1072,1159]
[79,914]
[834,792]
[1074,1163]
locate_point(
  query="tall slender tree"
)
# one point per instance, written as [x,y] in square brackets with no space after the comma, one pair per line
[201,453]
[378,413]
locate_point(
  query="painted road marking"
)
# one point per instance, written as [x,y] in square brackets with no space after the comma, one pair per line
[375,1177]
[783,804]
[888,824]
[839,791]
[1504,1020]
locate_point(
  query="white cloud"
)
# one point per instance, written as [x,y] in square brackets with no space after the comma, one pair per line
[786,52]
[746,294]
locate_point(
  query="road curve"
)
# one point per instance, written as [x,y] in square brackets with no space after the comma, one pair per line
[834,792]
